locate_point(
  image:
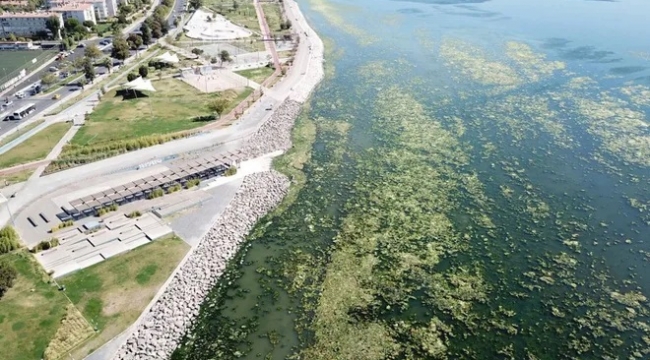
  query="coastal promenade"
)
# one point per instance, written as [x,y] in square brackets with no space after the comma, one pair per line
[257,131]
[158,330]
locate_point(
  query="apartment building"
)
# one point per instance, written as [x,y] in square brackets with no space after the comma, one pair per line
[103,9]
[80,11]
[25,23]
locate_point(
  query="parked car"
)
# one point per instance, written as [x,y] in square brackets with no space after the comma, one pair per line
[20,95]
[53,69]
[81,45]
[7,104]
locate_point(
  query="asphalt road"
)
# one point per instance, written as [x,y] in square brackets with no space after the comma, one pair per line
[178,10]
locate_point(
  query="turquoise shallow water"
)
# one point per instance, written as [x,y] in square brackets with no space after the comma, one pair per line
[546,103]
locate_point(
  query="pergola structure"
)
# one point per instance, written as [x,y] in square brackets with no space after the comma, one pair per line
[203,169]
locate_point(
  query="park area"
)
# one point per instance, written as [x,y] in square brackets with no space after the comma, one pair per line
[11,62]
[113,293]
[36,147]
[242,14]
[106,299]
[30,312]
[174,106]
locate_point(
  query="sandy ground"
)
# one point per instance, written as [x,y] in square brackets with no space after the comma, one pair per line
[217,80]
[218,29]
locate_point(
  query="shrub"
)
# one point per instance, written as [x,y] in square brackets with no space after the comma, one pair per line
[155,194]
[131,76]
[62,225]
[9,240]
[134,214]
[231,171]
[45,245]
[8,274]
[174,188]
[192,183]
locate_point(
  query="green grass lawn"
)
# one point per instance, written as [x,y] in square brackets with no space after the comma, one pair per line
[104,28]
[8,180]
[273,14]
[36,147]
[12,61]
[244,16]
[113,293]
[171,108]
[257,75]
[30,312]
[15,135]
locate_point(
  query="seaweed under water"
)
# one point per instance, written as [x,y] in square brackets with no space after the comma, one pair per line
[463,201]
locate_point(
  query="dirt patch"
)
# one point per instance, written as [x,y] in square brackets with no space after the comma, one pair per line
[124,301]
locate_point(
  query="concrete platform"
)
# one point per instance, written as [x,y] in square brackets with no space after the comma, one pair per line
[78,250]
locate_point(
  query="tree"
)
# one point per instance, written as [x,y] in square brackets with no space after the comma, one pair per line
[78,63]
[8,240]
[143,71]
[89,70]
[89,24]
[120,48]
[235,5]
[48,79]
[8,274]
[92,52]
[197,51]
[12,37]
[224,56]
[74,27]
[131,76]
[195,4]
[134,41]
[83,82]
[54,25]
[146,33]
[108,64]
[218,106]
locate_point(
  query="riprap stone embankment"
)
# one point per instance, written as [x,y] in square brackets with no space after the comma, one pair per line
[160,331]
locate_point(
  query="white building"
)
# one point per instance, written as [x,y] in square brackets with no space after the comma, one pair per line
[80,11]
[26,23]
[111,7]
[103,9]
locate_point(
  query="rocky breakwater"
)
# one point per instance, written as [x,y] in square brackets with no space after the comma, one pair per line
[160,330]
[275,133]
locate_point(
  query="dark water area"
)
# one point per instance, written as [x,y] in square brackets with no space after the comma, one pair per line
[478,188]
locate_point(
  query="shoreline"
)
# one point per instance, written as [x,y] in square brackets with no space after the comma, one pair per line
[172,312]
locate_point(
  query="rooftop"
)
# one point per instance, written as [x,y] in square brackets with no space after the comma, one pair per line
[72,7]
[38,14]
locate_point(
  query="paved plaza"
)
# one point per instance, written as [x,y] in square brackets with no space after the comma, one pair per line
[96,241]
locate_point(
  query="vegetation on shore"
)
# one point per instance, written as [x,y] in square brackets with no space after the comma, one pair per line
[31,311]
[113,293]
